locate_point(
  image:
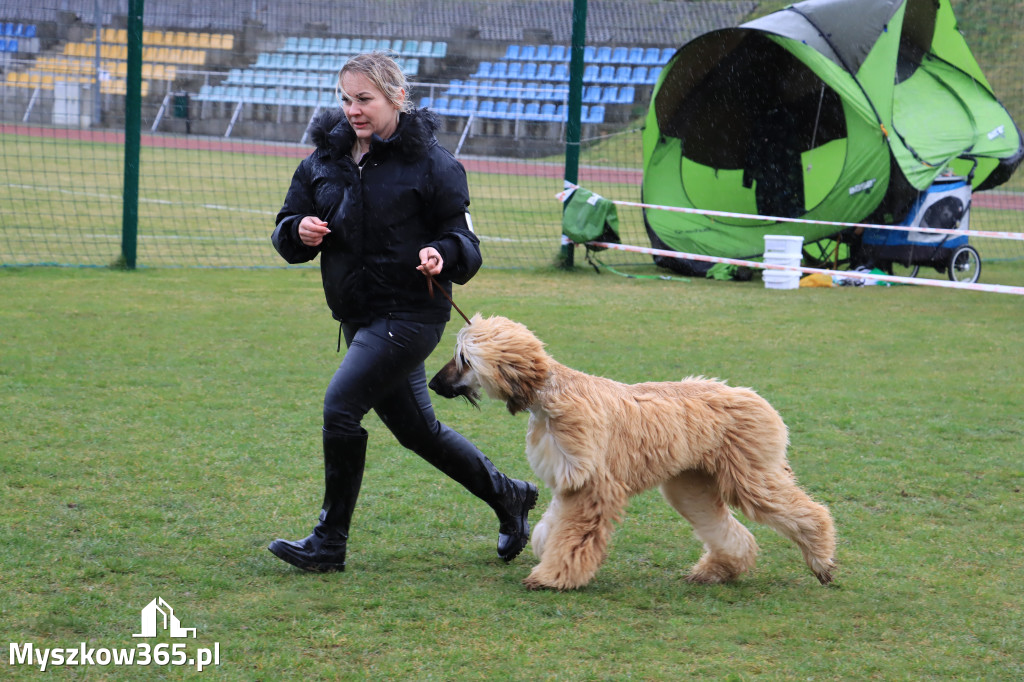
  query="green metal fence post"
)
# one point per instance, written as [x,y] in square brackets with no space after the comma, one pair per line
[573,125]
[132,136]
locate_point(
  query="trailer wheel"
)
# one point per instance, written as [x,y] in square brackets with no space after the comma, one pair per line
[964,265]
[898,269]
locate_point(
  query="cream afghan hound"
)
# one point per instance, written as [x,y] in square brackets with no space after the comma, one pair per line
[596,442]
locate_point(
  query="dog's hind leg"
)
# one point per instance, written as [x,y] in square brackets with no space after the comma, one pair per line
[784,506]
[729,548]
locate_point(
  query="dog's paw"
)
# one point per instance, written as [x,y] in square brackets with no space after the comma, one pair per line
[532,583]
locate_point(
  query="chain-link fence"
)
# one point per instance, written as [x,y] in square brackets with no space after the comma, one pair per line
[228,89]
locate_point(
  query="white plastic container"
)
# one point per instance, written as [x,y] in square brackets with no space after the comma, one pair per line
[782,250]
[781,279]
[783,244]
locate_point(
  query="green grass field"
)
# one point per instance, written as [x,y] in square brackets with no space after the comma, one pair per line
[160,427]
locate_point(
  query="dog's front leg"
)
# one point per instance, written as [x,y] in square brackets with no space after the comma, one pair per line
[539,537]
[575,531]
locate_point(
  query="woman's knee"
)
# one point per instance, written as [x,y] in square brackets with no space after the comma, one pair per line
[342,419]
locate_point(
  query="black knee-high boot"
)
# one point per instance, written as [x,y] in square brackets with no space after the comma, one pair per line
[510,498]
[324,549]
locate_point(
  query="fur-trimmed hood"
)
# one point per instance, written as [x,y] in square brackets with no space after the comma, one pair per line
[330,131]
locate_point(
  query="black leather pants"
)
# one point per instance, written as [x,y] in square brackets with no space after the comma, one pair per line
[383,370]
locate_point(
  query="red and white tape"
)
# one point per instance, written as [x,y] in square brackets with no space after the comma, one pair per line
[991,288]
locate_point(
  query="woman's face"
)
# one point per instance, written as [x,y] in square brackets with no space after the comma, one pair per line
[367,109]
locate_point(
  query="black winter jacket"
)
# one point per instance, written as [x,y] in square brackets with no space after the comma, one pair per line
[408,193]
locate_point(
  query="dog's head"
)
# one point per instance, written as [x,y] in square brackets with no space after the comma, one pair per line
[497,355]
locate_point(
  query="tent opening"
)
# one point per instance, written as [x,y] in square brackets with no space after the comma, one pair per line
[746,121]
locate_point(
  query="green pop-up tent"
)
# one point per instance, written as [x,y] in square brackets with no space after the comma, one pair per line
[838,110]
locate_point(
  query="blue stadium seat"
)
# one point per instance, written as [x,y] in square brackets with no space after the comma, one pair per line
[607,74]
[316,45]
[639,75]
[609,95]
[528,53]
[483,70]
[544,71]
[330,46]
[591,73]
[651,56]
[543,53]
[500,109]
[594,115]
[652,75]
[592,94]
[563,112]
[622,75]
[426,48]
[546,91]
[627,95]
[558,53]
[589,53]
[515,69]
[425,102]
[441,105]
[499,70]
[532,111]
[355,45]
[604,54]
[515,111]
[530,71]
[560,73]
[485,108]
[636,56]
[411,47]
[547,112]
[666,54]
[512,52]
[619,55]
[468,107]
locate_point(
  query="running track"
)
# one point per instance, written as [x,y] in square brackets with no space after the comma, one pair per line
[1000,201]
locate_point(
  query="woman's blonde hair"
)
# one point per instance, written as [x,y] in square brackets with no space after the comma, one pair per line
[383,71]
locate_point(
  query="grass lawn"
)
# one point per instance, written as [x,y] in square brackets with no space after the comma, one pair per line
[160,427]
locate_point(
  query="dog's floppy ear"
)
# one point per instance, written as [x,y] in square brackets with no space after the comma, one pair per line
[508,358]
[521,382]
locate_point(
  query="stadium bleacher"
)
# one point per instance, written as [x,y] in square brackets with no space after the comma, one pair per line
[304,71]
[529,77]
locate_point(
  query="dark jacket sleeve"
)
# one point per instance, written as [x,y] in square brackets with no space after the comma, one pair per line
[456,242]
[298,203]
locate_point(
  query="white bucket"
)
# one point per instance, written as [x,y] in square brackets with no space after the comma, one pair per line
[777,243]
[781,279]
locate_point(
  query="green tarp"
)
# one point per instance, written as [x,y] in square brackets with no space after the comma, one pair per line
[836,110]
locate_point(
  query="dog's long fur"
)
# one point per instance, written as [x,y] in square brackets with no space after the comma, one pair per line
[596,442]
